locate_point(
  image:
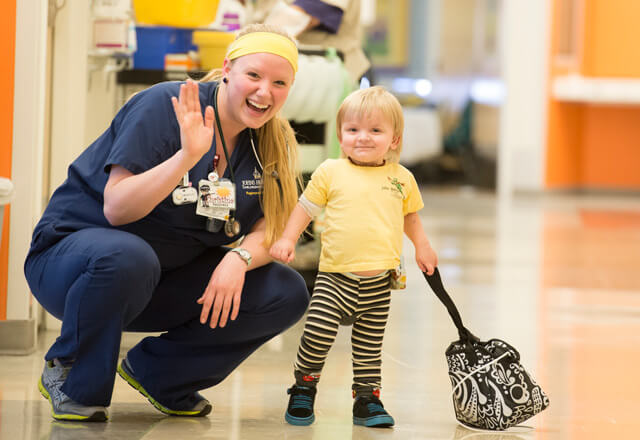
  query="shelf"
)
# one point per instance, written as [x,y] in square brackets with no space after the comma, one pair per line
[576,88]
[150,77]
[102,52]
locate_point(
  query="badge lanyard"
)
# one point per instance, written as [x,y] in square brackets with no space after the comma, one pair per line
[221,212]
[231,225]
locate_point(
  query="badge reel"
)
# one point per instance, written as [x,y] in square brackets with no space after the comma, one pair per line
[185,193]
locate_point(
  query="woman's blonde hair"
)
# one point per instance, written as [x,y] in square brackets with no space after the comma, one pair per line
[362,103]
[278,152]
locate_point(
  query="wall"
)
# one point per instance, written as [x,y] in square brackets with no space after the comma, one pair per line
[523,119]
[22,137]
[595,145]
[69,88]
[7,49]
[28,135]
[456,37]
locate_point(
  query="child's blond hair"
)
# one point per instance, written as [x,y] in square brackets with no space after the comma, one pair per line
[362,103]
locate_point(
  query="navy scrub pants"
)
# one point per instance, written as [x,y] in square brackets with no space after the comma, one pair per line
[102,281]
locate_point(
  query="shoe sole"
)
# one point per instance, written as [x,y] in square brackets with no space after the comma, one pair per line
[135,384]
[375,421]
[98,416]
[299,421]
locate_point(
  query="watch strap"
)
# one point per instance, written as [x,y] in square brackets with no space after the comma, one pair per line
[243,253]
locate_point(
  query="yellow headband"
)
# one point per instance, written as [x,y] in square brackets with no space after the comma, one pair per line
[269,42]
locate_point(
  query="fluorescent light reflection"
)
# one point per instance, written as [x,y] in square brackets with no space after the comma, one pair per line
[412,86]
[423,87]
[487,91]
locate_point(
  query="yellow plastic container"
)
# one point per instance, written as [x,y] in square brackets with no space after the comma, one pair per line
[212,47]
[176,13]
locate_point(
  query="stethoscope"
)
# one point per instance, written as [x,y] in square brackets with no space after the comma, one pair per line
[232,225]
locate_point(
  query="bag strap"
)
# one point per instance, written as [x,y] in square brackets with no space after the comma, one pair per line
[435,282]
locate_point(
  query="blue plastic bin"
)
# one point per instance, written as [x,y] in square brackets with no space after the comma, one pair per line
[154,42]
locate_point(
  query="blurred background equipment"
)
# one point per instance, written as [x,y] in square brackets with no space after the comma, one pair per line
[320,23]
[157,42]
[177,13]
[6,195]
[212,47]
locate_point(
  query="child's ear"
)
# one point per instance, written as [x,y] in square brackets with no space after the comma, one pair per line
[395,142]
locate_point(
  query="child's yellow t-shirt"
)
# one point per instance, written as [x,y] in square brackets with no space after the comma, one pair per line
[364,215]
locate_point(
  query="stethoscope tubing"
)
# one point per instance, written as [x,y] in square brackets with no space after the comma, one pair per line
[232,225]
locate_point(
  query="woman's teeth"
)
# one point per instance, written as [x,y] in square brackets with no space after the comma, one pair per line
[256,106]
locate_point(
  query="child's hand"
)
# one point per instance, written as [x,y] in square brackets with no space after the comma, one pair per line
[283,250]
[427,259]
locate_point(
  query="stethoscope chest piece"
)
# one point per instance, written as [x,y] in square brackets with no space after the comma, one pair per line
[232,227]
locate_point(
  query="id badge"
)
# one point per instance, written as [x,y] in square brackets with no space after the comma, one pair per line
[216,199]
[398,276]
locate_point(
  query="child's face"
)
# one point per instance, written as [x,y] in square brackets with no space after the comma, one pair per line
[366,140]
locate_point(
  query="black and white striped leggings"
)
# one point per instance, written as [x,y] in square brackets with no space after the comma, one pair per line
[340,298]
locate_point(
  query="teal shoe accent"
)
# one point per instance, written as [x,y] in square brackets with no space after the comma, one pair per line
[369,411]
[300,409]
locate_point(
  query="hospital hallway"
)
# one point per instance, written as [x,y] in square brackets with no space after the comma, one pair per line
[557,275]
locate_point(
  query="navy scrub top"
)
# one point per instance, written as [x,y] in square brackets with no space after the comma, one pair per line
[144,134]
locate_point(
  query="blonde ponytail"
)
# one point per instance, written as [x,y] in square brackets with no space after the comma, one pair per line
[278,151]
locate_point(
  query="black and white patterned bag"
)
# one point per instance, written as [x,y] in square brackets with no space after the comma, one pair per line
[491,388]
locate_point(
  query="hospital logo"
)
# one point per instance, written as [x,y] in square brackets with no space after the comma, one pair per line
[255,185]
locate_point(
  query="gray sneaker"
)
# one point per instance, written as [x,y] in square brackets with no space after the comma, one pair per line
[62,407]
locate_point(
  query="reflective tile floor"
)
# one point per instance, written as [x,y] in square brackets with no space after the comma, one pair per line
[558,276]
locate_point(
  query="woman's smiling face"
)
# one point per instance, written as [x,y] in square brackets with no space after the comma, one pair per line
[258,85]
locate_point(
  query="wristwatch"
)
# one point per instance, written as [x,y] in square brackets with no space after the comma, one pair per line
[243,253]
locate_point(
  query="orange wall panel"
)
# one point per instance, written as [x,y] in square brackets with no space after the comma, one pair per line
[611,38]
[564,133]
[564,145]
[596,146]
[611,148]
[7,49]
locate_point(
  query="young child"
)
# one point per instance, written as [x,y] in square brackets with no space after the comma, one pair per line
[369,200]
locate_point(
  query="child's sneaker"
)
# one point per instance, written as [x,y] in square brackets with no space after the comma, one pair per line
[195,406]
[62,407]
[369,411]
[300,408]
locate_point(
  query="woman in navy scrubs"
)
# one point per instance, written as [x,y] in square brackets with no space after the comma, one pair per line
[121,245]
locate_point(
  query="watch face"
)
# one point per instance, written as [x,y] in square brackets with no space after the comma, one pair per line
[244,254]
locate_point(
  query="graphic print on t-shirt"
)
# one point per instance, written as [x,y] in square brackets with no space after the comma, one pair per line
[396,187]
